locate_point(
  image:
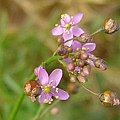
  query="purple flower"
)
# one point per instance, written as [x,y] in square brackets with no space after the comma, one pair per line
[68,27]
[49,86]
[85,49]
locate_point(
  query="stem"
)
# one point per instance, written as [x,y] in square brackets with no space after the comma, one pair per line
[39,116]
[97,94]
[22,95]
[97,31]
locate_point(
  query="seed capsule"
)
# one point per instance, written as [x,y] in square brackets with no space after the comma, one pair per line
[32,89]
[109,98]
[111,26]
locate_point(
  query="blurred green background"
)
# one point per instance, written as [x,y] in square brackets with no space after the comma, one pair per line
[26,41]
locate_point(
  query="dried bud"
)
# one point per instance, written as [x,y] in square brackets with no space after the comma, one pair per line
[71,66]
[81,78]
[109,98]
[72,88]
[60,40]
[111,26]
[99,63]
[85,38]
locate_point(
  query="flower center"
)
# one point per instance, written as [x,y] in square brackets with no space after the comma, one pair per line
[47,89]
[67,25]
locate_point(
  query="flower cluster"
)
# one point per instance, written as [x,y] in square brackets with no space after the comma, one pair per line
[75,47]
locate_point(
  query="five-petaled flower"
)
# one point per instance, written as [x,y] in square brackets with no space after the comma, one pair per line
[49,85]
[68,28]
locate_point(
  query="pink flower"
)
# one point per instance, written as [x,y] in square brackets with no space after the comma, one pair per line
[49,85]
[68,27]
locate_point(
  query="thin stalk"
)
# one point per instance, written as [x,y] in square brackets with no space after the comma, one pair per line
[39,116]
[97,31]
[97,94]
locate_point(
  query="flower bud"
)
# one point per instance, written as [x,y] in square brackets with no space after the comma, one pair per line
[81,63]
[71,66]
[111,26]
[81,78]
[54,111]
[69,49]
[109,98]
[86,70]
[72,78]
[99,63]
[85,38]
[62,50]
[60,40]
[84,56]
[72,88]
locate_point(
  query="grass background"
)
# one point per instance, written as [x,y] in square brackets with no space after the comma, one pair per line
[26,41]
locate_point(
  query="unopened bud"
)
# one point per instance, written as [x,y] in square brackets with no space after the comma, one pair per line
[71,66]
[81,63]
[85,38]
[81,78]
[54,111]
[60,40]
[109,98]
[62,50]
[86,70]
[72,78]
[111,26]
[72,88]
[84,56]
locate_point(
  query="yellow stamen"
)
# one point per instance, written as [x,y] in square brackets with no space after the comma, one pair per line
[56,97]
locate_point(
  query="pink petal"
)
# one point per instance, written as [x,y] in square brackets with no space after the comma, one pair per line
[55,77]
[66,19]
[77,31]
[67,60]
[89,46]
[69,43]
[57,30]
[43,76]
[76,19]
[67,36]
[62,95]
[41,97]
[76,44]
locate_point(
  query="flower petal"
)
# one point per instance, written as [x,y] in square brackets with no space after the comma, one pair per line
[44,98]
[42,76]
[66,18]
[69,43]
[67,36]
[89,46]
[41,98]
[55,77]
[57,30]
[61,94]
[77,31]
[67,60]
[76,19]
[76,44]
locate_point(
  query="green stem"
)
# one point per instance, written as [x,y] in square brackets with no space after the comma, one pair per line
[22,95]
[39,116]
